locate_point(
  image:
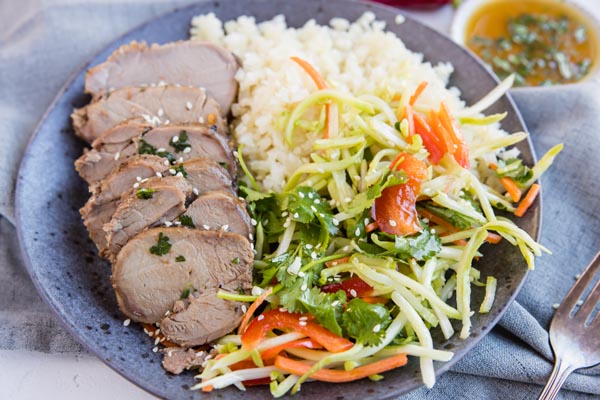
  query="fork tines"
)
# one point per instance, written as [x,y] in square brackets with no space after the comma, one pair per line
[575,294]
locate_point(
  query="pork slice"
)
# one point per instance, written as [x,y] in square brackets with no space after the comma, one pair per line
[206,175]
[148,285]
[178,359]
[187,63]
[165,200]
[203,142]
[133,171]
[157,106]
[109,151]
[94,217]
[220,211]
[203,318]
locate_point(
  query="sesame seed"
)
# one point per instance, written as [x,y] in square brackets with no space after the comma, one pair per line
[577,276]
[310,195]
[555,306]
[162,339]
[156,341]
[284,214]
[201,120]
[225,227]
[126,322]
[195,191]
[301,195]
[347,200]
[317,201]
[392,222]
[187,150]
[136,185]
[366,221]
[206,227]
[260,317]
[138,178]
[180,160]
[168,223]
[157,332]
[160,112]
[377,328]
[162,83]
[175,139]
[313,208]
[303,318]
[433,231]
[144,180]
[286,223]
[301,274]
[357,232]
[161,149]
[335,303]
[188,105]
[283,309]
[302,323]
[177,223]
[335,222]
[117,156]
[166,162]
[167,122]
[172,171]
[296,215]
[250,236]
[303,287]
[179,174]
[313,255]
[155,349]
[580,302]
[235,154]
[309,246]
[353,293]
[244,308]
[253,222]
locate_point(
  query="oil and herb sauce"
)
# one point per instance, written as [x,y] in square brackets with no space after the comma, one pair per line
[542,42]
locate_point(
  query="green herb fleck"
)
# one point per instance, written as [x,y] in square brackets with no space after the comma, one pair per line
[145,193]
[180,168]
[180,258]
[162,247]
[185,293]
[236,260]
[186,220]
[181,143]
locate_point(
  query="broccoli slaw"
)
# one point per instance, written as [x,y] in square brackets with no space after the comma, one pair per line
[371,245]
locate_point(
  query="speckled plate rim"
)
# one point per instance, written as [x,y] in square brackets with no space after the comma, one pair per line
[132,377]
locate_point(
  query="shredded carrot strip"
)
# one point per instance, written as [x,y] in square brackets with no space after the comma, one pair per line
[208,388]
[528,200]
[447,142]
[460,242]
[253,307]
[332,375]
[417,93]
[374,299]
[493,238]
[371,227]
[510,185]
[319,82]
[437,220]
[273,352]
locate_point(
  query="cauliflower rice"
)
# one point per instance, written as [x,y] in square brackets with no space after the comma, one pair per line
[360,58]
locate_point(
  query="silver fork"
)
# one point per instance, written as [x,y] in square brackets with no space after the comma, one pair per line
[575,340]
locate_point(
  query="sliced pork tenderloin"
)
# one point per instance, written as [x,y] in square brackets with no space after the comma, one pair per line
[95,216]
[156,267]
[178,359]
[206,175]
[201,318]
[220,211]
[186,63]
[106,155]
[157,106]
[156,201]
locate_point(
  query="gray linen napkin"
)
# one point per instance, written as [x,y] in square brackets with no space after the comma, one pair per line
[43,41]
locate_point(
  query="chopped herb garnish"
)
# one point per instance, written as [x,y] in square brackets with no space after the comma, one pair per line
[223,164]
[185,293]
[181,143]
[236,260]
[180,168]
[162,247]
[146,148]
[186,220]
[145,193]
[180,258]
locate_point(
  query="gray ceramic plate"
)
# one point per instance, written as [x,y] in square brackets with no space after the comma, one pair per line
[67,272]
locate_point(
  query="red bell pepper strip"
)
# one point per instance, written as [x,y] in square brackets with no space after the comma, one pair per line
[276,319]
[354,287]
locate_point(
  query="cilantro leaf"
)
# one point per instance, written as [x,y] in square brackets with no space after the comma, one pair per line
[186,220]
[146,148]
[364,200]
[306,206]
[365,322]
[514,168]
[162,247]
[326,307]
[457,220]
[421,246]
